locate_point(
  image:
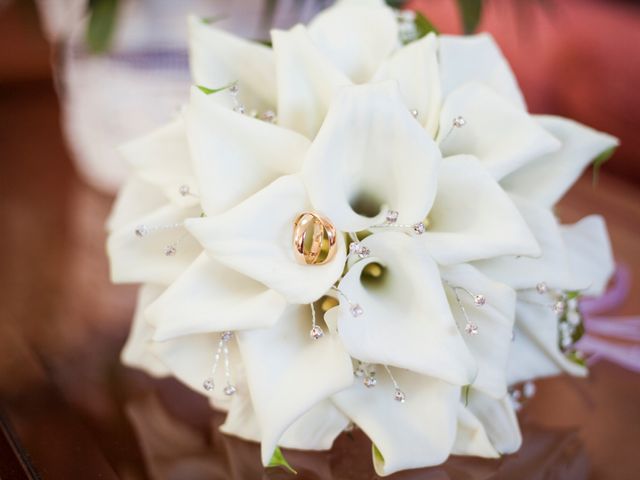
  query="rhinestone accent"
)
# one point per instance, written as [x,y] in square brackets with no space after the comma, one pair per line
[471,328]
[370,381]
[529,389]
[479,300]
[184,190]
[141,231]
[359,249]
[316,332]
[399,396]
[229,390]
[419,228]
[459,122]
[226,336]
[541,288]
[356,310]
[269,116]
[208,384]
[170,250]
[392,216]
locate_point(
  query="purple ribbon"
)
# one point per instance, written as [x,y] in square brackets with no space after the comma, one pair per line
[616,339]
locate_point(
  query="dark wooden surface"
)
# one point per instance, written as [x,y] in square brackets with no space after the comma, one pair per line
[71,411]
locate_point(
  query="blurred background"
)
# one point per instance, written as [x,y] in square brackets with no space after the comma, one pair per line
[79,77]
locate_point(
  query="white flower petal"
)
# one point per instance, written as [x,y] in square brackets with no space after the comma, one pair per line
[590,256]
[552,267]
[136,352]
[306,81]
[546,179]
[471,438]
[499,420]
[356,36]
[417,433]
[477,58]
[535,352]
[369,155]
[472,218]
[288,372]
[141,260]
[219,58]
[490,347]
[235,155]
[255,238]
[135,199]
[162,158]
[406,320]
[209,297]
[415,68]
[501,136]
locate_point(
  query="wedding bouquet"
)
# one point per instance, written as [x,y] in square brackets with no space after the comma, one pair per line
[353,227]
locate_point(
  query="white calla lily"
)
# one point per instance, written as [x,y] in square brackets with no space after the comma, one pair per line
[371,155]
[417,433]
[500,135]
[493,315]
[356,35]
[472,218]
[477,58]
[471,437]
[235,155]
[415,68]
[209,297]
[218,58]
[546,179]
[135,199]
[283,387]
[406,320]
[255,238]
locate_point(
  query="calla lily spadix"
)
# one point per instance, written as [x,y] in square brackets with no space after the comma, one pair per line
[449,280]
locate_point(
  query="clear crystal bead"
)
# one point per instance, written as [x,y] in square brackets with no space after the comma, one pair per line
[399,396]
[269,116]
[184,190]
[392,216]
[356,310]
[558,307]
[170,250]
[370,381]
[226,336]
[229,390]
[208,384]
[459,122]
[141,231]
[471,328]
[529,389]
[541,288]
[419,228]
[316,332]
[479,300]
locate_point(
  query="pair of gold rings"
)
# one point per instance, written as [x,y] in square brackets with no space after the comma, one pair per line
[314,239]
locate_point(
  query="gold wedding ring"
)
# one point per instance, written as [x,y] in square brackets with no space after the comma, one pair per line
[314,239]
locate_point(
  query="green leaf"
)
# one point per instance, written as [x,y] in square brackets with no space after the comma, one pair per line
[278,460]
[102,22]
[376,453]
[599,161]
[465,392]
[424,26]
[470,13]
[214,19]
[210,91]
[576,357]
